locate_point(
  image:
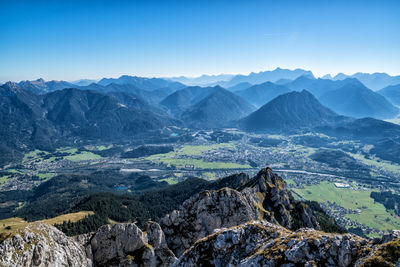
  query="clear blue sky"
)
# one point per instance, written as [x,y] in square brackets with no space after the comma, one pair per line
[91,39]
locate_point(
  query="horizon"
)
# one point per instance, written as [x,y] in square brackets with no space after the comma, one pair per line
[59,40]
[97,79]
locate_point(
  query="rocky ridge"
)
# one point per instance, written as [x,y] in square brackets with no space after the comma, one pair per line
[257,224]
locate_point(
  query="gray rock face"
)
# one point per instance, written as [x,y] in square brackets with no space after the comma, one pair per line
[200,215]
[259,243]
[126,245]
[42,245]
[278,204]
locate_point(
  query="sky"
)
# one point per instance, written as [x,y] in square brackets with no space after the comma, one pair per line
[70,40]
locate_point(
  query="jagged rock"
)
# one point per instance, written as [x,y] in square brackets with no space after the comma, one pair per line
[156,238]
[200,215]
[276,202]
[263,197]
[41,245]
[126,245]
[260,243]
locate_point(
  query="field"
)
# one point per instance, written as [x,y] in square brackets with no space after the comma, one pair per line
[190,155]
[373,215]
[84,155]
[386,165]
[12,224]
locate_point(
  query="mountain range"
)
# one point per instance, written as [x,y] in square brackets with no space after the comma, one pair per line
[42,121]
[374,81]
[347,97]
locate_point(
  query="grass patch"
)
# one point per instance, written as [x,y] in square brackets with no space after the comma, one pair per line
[11,224]
[170,180]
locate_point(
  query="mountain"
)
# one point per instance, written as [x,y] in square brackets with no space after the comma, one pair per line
[239,87]
[89,114]
[40,86]
[216,110]
[183,99]
[258,223]
[32,121]
[134,101]
[153,97]
[392,93]
[294,110]
[267,76]
[375,81]
[261,94]
[358,101]
[319,86]
[203,80]
[347,97]
[84,82]
[148,84]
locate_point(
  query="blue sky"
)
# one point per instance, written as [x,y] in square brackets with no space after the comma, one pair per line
[71,40]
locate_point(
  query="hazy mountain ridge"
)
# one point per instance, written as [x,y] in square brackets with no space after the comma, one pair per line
[261,94]
[392,93]
[375,81]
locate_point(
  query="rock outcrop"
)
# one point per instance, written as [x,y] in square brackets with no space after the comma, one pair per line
[200,215]
[258,224]
[126,245]
[41,245]
[269,193]
[259,243]
[263,197]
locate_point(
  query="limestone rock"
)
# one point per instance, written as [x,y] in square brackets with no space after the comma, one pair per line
[276,202]
[126,245]
[200,215]
[260,243]
[41,245]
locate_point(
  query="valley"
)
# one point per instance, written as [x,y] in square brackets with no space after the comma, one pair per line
[310,169]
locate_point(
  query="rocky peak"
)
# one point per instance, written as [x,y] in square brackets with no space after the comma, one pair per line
[201,214]
[270,194]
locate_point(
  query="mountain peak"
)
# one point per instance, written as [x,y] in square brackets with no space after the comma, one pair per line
[294,110]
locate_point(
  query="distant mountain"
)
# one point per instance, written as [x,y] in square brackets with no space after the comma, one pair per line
[134,101]
[261,94]
[358,101]
[153,97]
[84,82]
[203,80]
[392,93]
[216,110]
[148,84]
[181,100]
[90,114]
[375,81]
[318,86]
[267,76]
[291,111]
[239,86]
[40,86]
